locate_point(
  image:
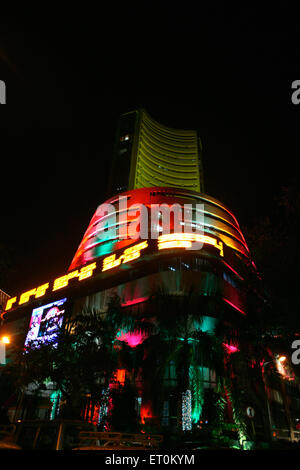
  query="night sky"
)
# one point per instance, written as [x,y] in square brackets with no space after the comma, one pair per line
[226,73]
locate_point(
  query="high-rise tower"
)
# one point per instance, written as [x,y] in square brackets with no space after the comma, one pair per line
[148,154]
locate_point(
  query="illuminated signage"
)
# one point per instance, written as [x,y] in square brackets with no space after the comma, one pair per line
[85,272]
[59,283]
[45,322]
[129,254]
[167,241]
[186,240]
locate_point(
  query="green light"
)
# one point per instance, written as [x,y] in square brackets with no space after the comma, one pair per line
[104,248]
[197,392]
[207,324]
[55,399]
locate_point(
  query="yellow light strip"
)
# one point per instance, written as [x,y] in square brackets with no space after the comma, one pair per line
[41,290]
[173,240]
[131,253]
[26,295]
[63,281]
[174,244]
[10,302]
[110,262]
[185,240]
[37,292]
[85,272]
[134,252]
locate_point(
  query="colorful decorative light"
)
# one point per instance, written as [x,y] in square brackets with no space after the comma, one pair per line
[105,405]
[185,240]
[84,273]
[120,375]
[187,411]
[59,283]
[230,348]
[55,400]
[146,412]
[135,301]
[196,384]
[92,413]
[234,306]
[131,253]
[10,303]
[133,339]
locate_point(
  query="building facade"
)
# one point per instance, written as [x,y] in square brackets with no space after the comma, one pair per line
[179,265]
[147,153]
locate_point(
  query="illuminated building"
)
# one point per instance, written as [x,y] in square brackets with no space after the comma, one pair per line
[207,262]
[137,269]
[148,154]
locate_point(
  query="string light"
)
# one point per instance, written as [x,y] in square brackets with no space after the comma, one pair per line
[55,398]
[187,411]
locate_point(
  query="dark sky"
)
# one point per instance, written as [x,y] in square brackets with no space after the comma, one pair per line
[225,72]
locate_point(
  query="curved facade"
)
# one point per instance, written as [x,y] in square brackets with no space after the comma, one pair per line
[103,232]
[223,246]
[148,153]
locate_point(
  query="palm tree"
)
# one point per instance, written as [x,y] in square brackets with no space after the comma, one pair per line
[181,337]
[80,362]
[179,320]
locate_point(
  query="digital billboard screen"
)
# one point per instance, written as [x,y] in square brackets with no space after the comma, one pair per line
[45,323]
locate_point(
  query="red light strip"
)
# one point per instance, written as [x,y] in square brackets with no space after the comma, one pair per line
[234,306]
[134,301]
[234,271]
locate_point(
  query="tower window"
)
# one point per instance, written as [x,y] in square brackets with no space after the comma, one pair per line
[125,138]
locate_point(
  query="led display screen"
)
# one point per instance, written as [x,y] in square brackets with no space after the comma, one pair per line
[45,322]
